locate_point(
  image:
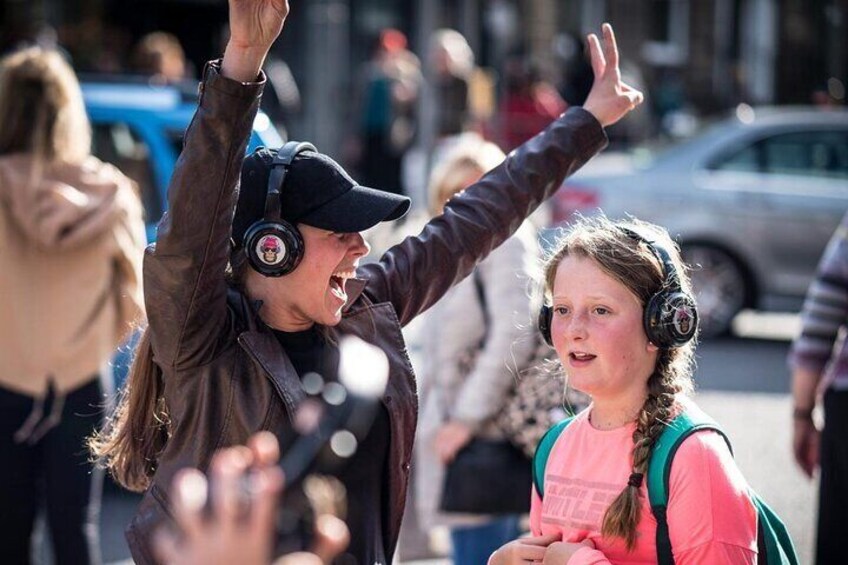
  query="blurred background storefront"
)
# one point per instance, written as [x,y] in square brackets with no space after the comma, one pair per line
[705,55]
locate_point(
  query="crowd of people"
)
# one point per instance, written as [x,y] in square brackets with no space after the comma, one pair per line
[258,275]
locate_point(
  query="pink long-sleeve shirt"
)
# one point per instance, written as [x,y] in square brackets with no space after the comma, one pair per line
[710,516]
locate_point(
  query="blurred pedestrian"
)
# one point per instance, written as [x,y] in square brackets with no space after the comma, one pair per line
[388,114]
[820,369]
[474,343]
[604,283]
[160,55]
[223,353]
[72,242]
[529,104]
[451,63]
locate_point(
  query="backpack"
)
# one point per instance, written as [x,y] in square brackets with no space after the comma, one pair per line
[774,545]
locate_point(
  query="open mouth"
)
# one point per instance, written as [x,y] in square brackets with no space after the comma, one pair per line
[338,280]
[580,357]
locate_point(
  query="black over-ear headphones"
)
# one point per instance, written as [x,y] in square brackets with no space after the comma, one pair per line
[274,247]
[671,316]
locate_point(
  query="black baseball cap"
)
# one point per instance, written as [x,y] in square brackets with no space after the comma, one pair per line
[316,191]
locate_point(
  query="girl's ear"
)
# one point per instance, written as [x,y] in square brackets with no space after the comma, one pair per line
[651,348]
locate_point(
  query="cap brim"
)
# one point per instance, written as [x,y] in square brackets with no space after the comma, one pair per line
[357,210]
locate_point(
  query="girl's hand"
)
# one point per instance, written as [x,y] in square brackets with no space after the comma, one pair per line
[559,552]
[522,550]
[610,99]
[254,26]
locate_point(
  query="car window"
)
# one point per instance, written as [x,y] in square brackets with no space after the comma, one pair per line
[118,144]
[810,153]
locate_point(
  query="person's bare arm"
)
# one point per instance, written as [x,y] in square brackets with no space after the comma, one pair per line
[254,26]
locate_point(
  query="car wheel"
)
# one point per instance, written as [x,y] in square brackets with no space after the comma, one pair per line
[719,284]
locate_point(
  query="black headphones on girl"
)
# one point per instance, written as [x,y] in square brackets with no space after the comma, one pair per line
[274,247]
[671,316]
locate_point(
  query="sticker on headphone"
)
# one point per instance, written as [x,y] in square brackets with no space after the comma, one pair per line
[683,319]
[271,250]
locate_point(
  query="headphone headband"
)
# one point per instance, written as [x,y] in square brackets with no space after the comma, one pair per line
[279,167]
[671,280]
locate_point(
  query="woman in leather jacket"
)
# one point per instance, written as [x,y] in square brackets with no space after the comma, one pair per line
[226,345]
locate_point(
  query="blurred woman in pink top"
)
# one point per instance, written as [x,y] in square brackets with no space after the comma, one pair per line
[595,509]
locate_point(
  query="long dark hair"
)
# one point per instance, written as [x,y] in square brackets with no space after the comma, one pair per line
[135,434]
[138,430]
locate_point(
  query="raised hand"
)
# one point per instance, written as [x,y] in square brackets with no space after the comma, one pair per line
[256,23]
[254,26]
[610,99]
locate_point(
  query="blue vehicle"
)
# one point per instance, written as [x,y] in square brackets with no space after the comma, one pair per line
[139,128]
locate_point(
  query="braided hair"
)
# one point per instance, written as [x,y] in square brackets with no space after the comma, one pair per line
[632,263]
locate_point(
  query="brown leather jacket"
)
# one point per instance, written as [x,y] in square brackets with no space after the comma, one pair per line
[225,374]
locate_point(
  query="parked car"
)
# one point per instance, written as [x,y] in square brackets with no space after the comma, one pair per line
[752,202]
[139,127]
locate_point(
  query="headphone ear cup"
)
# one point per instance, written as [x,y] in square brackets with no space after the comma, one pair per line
[671,319]
[273,249]
[544,323]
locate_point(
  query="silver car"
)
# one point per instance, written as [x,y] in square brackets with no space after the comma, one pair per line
[752,201]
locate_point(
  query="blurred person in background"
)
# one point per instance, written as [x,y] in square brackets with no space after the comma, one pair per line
[529,104]
[387,118]
[160,55]
[473,341]
[72,239]
[451,63]
[821,370]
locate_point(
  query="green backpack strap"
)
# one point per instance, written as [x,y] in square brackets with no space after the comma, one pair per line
[773,539]
[682,426]
[543,451]
[774,546]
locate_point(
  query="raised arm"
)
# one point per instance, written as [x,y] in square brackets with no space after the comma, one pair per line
[416,273]
[254,26]
[185,288]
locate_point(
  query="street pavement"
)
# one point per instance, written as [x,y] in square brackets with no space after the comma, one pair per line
[742,382]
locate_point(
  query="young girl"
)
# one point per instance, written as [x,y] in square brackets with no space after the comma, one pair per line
[595,506]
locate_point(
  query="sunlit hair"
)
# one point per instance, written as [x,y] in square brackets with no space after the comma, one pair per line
[632,263]
[460,57]
[470,158]
[41,108]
